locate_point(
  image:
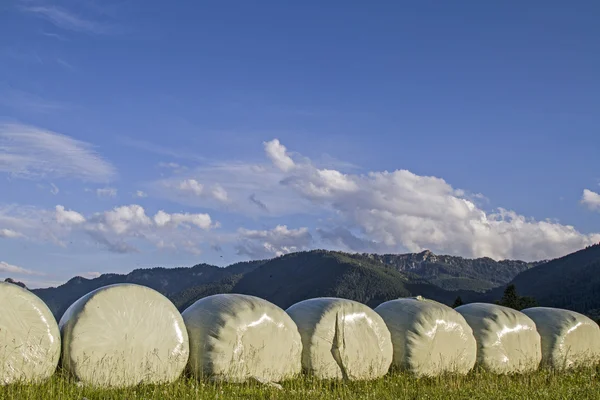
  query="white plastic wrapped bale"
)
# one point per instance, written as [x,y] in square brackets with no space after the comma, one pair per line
[342,339]
[507,340]
[569,339]
[29,337]
[429,338]
[122,335]
[236,338]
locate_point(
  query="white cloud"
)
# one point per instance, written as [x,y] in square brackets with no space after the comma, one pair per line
[191,186]
[107,192]
[55,190]
[202,221]
[275,242]
[119,230]
[401,211]
[219,193]
[68,217]
[30,152]
[140,194]
[13,269]
[91,275]
[9,233]
[591,199]
[123,219]
[67,20]
[278,155]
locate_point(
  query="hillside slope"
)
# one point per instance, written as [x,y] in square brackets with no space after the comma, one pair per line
[571,282]
[320,273]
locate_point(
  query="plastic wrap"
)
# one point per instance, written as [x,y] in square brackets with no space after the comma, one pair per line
[507,340]
[122,335]
[429,338]
[569,339]
[29,336]
[235,338]
[342,339]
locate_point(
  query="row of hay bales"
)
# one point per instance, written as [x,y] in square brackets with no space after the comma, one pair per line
[125,334]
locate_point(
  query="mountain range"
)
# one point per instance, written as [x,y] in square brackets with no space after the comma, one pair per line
[569,282]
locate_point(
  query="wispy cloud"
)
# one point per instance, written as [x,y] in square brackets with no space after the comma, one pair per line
[68,20]
[54,190]
[13,269]
[30,152]
[107,192]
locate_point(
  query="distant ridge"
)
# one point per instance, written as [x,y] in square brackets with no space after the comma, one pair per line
[368,278]
[571,282]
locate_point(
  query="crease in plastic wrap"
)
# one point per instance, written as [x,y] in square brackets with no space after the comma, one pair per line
[342,339]
[122,335]
[29,337]
[507,339]
[569,339]
[236,338]
[429,338]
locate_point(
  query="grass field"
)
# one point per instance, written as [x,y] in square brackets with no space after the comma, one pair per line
[578,384]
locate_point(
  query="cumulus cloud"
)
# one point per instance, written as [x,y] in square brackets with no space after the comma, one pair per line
[591,200]
[401,211]
[30,152]
[68,217]
[13,269]
[191,188]
[202,221]
[107,192]
[275,242]
[120,230]
[278,155]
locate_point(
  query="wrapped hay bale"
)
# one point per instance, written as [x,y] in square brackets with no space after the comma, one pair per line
[429,338]
[236,338]
[569,339]
[507,340]
[122,335]
[29,337]
[342,339]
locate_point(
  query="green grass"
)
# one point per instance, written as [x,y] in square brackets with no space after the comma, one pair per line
[545,383]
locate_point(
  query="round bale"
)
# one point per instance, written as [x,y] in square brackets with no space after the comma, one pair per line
[235,338]
[429,338]
[569,339]
[507,340]
[29,337]
[342,339]
[122,335]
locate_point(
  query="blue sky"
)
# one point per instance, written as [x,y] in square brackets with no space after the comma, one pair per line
[144,133]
